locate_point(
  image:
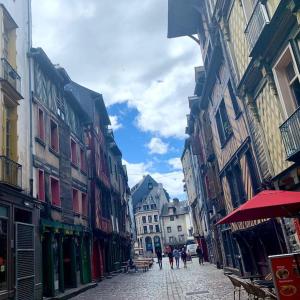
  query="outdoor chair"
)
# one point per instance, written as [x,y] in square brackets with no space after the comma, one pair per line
[237,287]
[255,292]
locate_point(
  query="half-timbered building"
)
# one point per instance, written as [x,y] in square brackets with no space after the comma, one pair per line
[99,183]
[60,178]
[240,162]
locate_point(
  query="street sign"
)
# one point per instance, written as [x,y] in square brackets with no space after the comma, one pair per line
[286,275]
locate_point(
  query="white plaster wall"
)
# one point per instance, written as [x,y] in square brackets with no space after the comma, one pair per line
[181,220]
[188,176]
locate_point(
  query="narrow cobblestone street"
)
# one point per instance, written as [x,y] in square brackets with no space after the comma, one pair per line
[195,282]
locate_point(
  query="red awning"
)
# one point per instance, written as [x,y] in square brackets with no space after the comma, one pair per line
[266,204]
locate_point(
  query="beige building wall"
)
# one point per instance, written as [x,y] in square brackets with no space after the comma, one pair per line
[188,176]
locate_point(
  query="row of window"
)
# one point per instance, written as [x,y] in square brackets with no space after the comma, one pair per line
[151,229]
[179,228]
[144,219]
[148,207]
[79,199]
[77,152]
[172,218]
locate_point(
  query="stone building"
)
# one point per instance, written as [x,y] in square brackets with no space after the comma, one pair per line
[148,221]
[176,223]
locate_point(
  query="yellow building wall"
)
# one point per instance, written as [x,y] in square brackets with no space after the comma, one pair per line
[237,25]
[271,118]
[272,6]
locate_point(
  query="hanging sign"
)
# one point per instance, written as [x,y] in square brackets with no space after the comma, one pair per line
[286,275]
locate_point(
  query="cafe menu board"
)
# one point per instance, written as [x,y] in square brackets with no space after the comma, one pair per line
[286,275]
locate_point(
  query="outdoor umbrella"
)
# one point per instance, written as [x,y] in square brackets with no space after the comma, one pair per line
[266,204]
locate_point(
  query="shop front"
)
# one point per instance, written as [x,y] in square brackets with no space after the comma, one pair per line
[17,252]
[267,238]
[65,256]
[257,243]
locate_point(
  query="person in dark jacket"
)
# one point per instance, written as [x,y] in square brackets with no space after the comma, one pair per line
[200,255]
[159,258]
[170,255]
[183,256]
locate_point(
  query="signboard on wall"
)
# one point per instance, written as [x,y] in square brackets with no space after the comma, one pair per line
[286,275]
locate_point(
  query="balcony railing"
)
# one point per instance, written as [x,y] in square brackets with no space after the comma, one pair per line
[290,133]
[10,172]
[258,20]
[9,74]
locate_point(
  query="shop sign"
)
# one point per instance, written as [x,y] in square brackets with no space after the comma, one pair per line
[286,275]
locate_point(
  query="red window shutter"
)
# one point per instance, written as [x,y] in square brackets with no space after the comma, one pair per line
[41,185]
[55,194]
[75,201]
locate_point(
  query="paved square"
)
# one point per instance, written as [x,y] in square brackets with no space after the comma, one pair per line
[195,282]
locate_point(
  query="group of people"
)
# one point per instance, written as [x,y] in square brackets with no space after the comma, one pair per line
[177,254]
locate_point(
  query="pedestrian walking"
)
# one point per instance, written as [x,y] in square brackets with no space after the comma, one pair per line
[200,255]
[159,258]
[183,257]
[176,255]
[170,255]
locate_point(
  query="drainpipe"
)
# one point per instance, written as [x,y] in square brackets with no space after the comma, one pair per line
[30,97]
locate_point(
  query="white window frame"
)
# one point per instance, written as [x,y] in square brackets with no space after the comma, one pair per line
[278,81]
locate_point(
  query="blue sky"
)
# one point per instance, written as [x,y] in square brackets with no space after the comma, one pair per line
[160,159]
[134,142]
[122,52]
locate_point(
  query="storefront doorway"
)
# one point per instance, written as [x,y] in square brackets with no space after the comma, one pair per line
[3,249]
[68,263]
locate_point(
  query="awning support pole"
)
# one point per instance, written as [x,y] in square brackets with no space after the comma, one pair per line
[277,235]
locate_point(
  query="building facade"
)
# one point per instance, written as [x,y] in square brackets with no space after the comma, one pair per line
[176,223]
[60,182]
[148,220]
[231,120]
[18,209]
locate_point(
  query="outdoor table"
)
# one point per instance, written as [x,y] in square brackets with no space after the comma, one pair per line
[264,283]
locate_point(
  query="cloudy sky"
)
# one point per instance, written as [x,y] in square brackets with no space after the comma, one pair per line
[120,48]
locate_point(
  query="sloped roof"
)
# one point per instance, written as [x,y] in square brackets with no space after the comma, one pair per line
[141,190]
[182,208]
[87,98]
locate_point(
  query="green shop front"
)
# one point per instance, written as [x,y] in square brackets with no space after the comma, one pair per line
[65,256]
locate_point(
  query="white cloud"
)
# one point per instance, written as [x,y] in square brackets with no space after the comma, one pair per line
[172,181]
[115,125]
[157,146]
[175,163]
[136,171]
[156,77]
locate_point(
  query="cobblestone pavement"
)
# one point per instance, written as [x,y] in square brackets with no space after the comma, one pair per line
[194,282]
